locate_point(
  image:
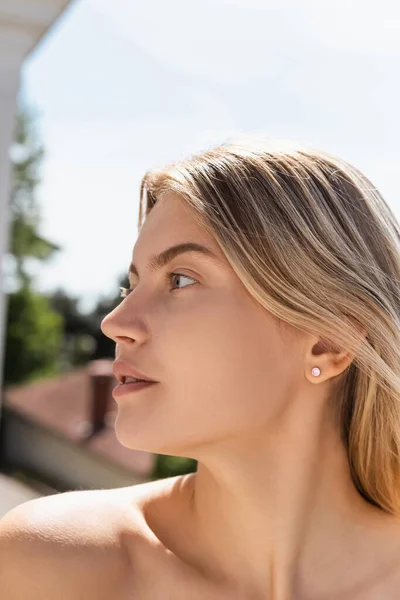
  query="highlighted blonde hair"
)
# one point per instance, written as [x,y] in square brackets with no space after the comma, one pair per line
[315,244]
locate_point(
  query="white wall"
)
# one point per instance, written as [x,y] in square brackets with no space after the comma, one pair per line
[13,493]
[28,445]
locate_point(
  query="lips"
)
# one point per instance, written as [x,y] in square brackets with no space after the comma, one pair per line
[130,388]
[122,369]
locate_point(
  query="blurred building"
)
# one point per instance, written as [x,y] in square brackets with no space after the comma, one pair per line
[62,431]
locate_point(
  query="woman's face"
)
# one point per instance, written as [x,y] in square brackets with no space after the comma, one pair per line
[226,368]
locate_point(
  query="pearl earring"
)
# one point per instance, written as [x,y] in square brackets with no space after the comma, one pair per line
[316,371]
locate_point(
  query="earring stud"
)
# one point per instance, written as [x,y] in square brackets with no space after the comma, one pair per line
[316,371]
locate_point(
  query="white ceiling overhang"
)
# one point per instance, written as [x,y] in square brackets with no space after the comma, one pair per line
[23,23]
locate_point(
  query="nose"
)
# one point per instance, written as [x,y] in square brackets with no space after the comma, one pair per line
[114,329]
[123,326]
[106,326]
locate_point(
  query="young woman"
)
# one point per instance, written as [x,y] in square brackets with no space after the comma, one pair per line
[264,307]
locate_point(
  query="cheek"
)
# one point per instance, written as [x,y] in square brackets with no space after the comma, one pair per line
[226,359]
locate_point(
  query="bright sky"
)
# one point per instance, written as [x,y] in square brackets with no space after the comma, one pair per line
[125,85]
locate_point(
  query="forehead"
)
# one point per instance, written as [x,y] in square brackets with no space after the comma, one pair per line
[171,222]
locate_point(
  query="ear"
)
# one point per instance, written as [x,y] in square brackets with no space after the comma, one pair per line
[329,358]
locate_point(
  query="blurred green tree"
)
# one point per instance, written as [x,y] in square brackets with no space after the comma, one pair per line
[79,341]
[33,336]
[26,158]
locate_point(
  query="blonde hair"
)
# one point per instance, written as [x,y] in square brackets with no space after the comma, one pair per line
[315,244]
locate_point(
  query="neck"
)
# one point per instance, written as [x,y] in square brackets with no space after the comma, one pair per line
[278,514]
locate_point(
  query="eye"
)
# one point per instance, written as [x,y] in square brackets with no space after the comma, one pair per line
[169,276]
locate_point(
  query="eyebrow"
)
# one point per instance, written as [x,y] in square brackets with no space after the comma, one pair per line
[159,261]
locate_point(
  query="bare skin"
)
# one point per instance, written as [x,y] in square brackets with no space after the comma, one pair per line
[166,514]
[272,512]
[128,544]
[275,512]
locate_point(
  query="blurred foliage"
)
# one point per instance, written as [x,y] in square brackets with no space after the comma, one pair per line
[170,466]
[83,338]
[26,159]
[33,338]
[79,343]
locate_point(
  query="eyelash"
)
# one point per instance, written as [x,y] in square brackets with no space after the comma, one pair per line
[168,276]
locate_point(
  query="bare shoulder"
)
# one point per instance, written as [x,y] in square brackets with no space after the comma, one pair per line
[68,545]
[91,545]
